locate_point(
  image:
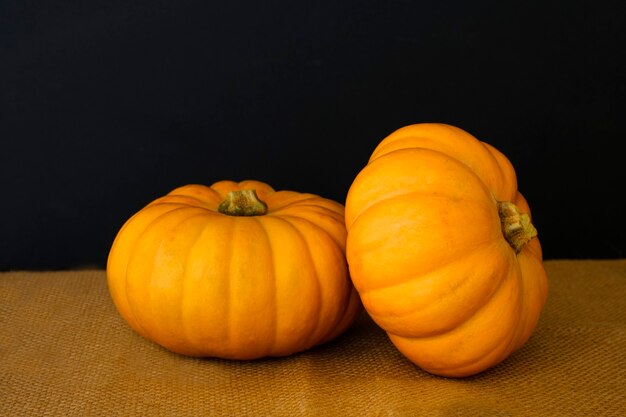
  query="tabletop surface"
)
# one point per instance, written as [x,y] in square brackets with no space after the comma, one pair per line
[64,351]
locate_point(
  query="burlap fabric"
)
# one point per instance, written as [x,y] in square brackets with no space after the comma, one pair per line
[64,351]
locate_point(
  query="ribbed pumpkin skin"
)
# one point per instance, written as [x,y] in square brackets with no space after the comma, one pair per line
[203,283]
[427,253]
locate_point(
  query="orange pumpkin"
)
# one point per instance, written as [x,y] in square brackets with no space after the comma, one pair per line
[234,270]
[442,250]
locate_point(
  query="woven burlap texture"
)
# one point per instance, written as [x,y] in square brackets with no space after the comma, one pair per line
[64,351]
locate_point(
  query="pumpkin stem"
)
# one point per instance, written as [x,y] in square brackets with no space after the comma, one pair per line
[242,203]
[516,226]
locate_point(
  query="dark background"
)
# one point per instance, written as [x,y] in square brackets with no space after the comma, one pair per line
[106,105]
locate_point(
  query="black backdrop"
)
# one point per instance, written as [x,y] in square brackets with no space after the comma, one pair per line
[106,105]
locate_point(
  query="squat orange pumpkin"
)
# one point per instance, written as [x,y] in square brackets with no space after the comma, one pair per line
[442,250]
[234,270]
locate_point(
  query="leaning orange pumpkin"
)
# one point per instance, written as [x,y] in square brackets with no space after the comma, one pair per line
[234,270]
[442,250]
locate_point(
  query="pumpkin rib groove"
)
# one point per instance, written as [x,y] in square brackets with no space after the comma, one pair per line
[343,309]
[495,343]
[514,274]
[306,199]
[506,172]
[327,211]
[280,199]
[117,279]
[131,257]
[384,159]
[452,260]
[516,270]
[174,200]
[450,292]
[407,134]
[149,332]
[416,137]
[185,283]
[498,187]
[525,319]
[399,195]
[174,229]
[342,313]
[228,287]
[275,319]
[498,357]
[451,256]
[295,201]
[328,214]
[321,229]
[316,275]
[197,191]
